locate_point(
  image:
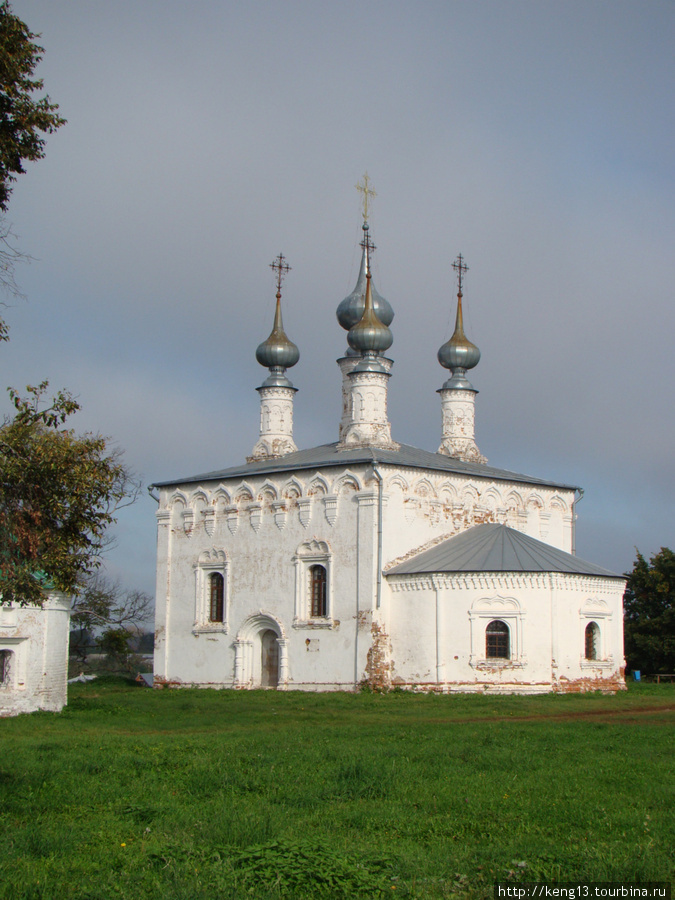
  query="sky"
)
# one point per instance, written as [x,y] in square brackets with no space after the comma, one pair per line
[205,138]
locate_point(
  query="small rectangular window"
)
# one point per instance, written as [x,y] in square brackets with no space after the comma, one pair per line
[5,657]
[317,576]
[217,594]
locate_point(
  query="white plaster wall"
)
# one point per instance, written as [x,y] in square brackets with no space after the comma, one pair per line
[546,615]
[581,600]
[259,527]
[38,640]
[424,508]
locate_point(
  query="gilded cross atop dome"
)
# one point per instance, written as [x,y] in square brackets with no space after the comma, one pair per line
[363,187]
[351,309]
[460,267]
[368,246]
[281,268]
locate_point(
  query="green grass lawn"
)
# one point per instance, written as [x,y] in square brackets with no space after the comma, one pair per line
[191,794]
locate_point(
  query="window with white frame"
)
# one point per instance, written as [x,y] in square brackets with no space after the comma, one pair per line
[5,667]
[595,630]
[211,591]
[313,599]
[496,632]
[592,641]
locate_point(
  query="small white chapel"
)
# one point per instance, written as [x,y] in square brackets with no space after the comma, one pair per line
[370,562]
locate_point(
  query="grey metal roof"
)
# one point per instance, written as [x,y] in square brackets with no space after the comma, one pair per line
[328,455]
[496,548]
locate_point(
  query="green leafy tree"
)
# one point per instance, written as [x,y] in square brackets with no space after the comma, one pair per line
[649,614]
[24,119]
[116,644]
[58,494]
[103,606]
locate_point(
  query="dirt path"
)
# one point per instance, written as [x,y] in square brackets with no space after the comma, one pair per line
[624,714]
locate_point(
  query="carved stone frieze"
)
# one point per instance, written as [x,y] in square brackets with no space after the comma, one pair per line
[331,508]
[279,508]
[305,510]
[232,518]
[255,511]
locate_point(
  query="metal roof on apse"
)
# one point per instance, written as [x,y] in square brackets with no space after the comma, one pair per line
[328,455]
[496,548]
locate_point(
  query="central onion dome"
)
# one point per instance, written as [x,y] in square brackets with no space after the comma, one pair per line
[459,354]
[369,337]
[278,352]
[350,311]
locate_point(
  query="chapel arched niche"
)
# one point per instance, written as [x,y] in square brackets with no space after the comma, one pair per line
[261,653]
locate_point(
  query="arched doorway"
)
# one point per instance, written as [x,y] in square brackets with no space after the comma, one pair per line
[269,661]
[261,653]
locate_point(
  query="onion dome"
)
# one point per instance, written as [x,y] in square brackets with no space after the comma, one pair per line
[370,336]
[277,353]
[350,311]
[459,354]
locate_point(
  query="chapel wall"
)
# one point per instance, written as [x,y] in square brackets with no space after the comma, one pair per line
[37,640]
[266,532]
[457,610]
[546,614]
[598,602]
[425,508]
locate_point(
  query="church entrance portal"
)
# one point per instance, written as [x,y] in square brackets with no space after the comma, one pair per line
[269,660]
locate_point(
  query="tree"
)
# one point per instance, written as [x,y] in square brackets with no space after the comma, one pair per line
[115,643]
[649,614]
[24,122]
[117,614]
[58,494]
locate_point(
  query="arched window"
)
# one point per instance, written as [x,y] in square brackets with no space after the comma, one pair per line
[217,594]
[497,640]
[317,591]
[592,640]
[5,661]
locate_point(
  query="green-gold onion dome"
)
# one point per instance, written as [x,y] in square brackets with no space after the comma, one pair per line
[277,350]
[350,311]
[459,352]
[370,334]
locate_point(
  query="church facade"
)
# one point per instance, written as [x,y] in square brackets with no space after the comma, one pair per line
[370,562]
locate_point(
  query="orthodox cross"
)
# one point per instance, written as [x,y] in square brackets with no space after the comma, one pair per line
[365,189]
[460,267]
[367,243]
[281,267]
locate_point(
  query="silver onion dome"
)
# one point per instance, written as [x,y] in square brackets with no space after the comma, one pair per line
[350,311]
[459,354]
[370,337]
[277,352]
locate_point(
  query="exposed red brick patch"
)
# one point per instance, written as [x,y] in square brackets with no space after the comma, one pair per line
[379,666]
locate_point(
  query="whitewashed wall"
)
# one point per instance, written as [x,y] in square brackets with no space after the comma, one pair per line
[36,640]
[546,615]
[263,533]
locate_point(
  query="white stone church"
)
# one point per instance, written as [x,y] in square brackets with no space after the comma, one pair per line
[371,562]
